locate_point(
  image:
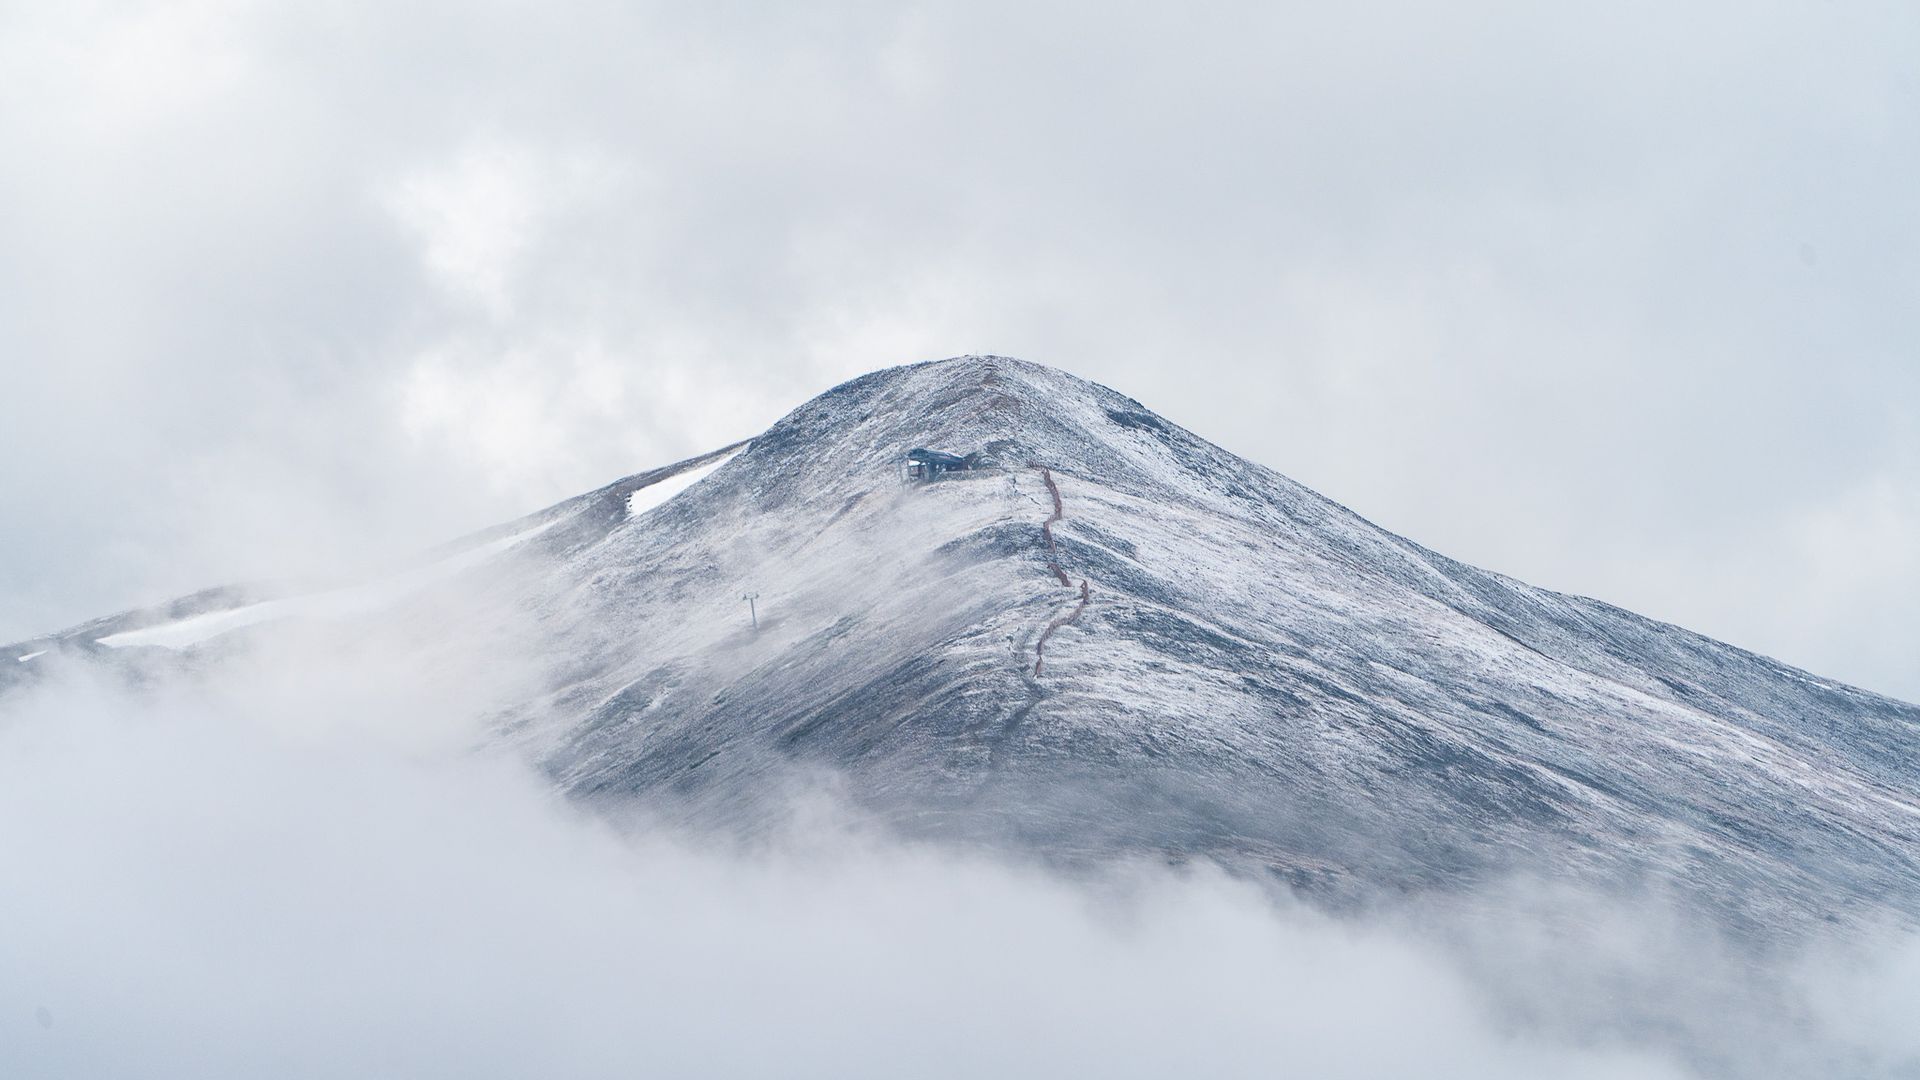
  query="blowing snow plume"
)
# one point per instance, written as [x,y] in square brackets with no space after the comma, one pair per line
[1250,678]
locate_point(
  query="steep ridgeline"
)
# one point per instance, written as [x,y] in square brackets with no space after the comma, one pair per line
[1111,638]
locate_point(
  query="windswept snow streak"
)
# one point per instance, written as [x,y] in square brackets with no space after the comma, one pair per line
[333,603]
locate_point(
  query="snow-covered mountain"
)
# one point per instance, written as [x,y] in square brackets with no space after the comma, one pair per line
[1235,668]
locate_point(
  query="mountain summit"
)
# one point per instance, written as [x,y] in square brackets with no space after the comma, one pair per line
[1073,627]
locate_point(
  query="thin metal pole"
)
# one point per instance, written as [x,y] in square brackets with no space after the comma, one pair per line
[752,613]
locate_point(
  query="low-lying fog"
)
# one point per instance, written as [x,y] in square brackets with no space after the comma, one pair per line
[270,876]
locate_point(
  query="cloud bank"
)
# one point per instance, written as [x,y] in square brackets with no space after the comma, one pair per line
[192,892]
[268,877]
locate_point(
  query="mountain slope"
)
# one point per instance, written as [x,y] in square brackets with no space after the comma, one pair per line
[1252,674]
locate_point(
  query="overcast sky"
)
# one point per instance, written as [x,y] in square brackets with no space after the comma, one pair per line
[1617,298]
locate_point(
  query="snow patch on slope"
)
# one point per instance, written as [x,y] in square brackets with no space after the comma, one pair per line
[658,492]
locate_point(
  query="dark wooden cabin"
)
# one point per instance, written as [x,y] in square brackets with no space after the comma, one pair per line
[924,464]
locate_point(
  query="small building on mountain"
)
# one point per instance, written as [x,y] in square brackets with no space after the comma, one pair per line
[924,464]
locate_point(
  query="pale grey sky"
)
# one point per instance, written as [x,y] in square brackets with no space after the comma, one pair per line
[1616,298]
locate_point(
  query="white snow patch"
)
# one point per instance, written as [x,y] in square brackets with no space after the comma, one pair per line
[31,655]
[660,491]
[334,603]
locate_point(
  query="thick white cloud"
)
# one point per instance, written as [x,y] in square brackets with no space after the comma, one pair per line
[202,887]
[1613,297]
[300,869]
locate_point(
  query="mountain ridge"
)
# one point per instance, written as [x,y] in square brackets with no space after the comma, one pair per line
[1254,675]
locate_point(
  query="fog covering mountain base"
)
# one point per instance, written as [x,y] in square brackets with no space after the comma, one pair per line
[1259,677]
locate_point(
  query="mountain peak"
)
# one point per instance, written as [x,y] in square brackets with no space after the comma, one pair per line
[1252,673]
[1008,411]
[1235,668]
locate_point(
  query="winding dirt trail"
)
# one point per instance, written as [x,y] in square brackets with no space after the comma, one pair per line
[1046,529]
[1040,647]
